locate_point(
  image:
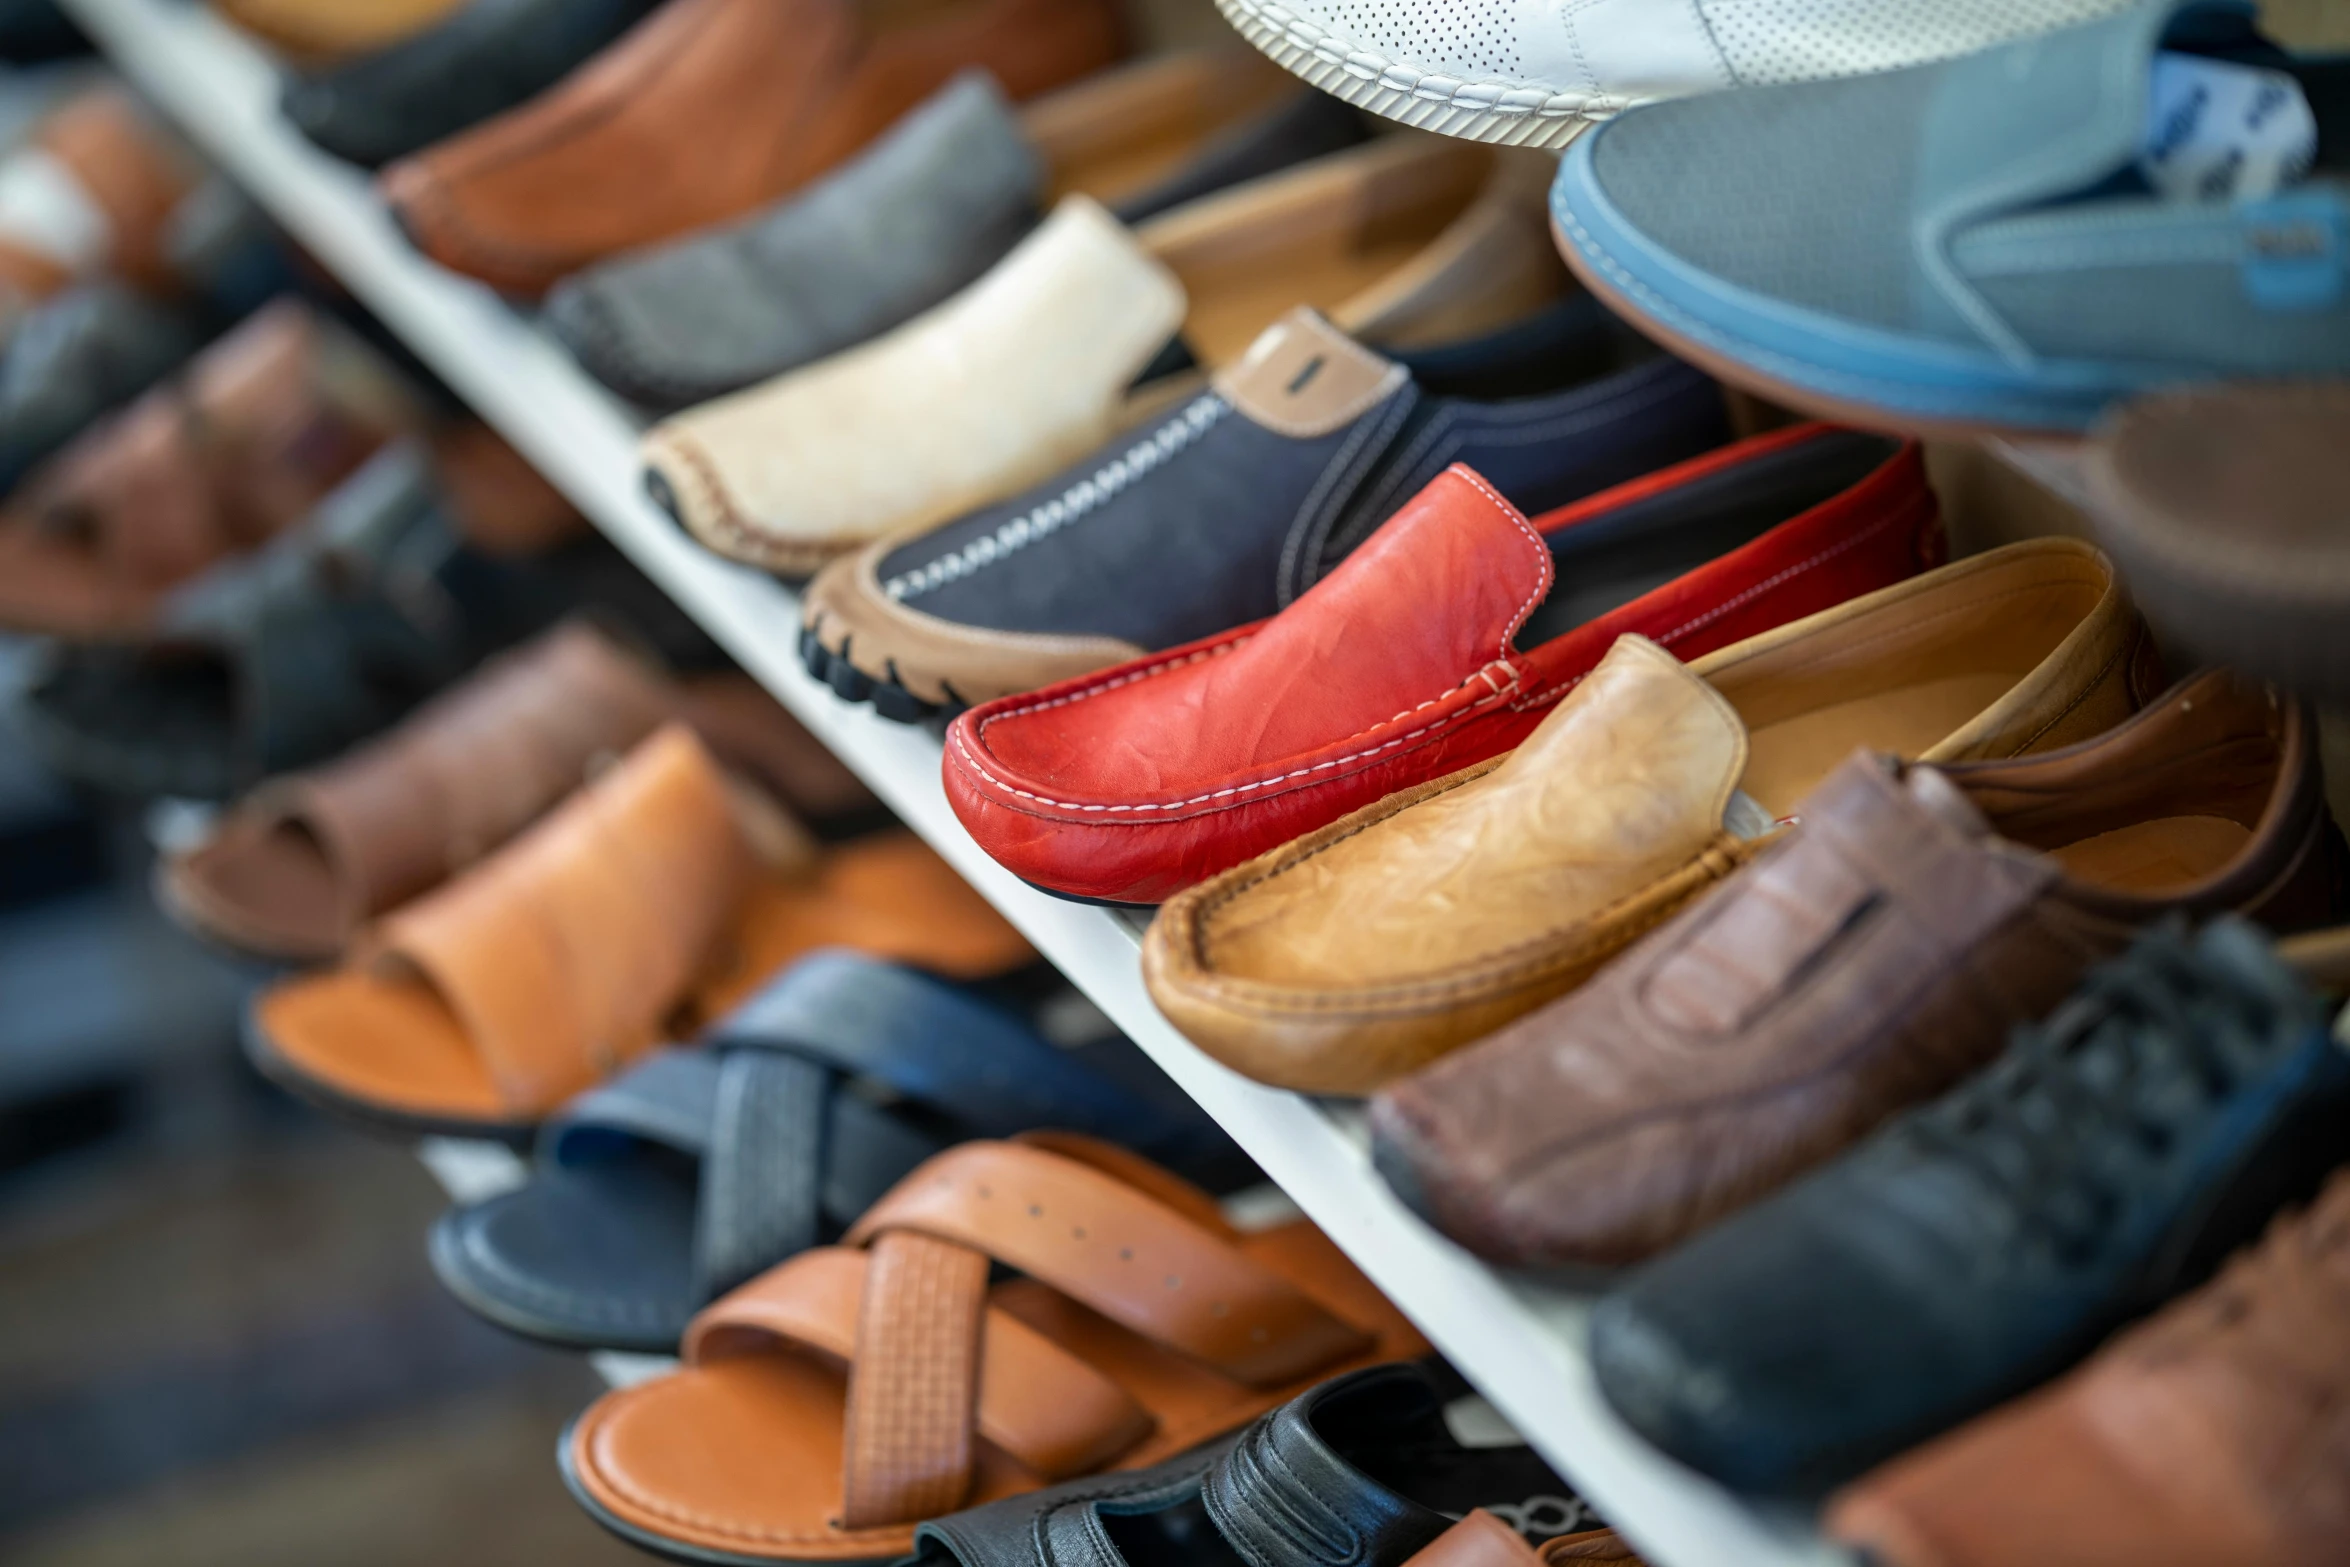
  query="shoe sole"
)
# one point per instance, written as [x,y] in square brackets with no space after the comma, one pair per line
[661,1545]
[440,1250]
[1512,114]
[884,693]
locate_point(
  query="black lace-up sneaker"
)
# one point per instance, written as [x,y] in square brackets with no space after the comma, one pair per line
[2116,1154]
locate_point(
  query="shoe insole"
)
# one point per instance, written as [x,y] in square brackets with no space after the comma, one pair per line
[1787,758]
[743,1453]
[2156,857]
[1226,316]
[263,882]
[387,1039]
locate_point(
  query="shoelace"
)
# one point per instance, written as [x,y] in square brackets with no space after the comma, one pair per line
[2064,1126]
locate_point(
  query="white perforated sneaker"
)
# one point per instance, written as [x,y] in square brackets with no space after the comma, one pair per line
[1535,72]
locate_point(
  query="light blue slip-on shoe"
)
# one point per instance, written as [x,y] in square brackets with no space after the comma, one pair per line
[1971,245]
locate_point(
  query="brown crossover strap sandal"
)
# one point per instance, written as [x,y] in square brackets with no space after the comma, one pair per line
[263,426]
[830,1405]
[301,865]
[646,905]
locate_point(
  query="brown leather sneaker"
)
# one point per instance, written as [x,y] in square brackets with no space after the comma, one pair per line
[1867,961]
[708,109]
[2213,1434]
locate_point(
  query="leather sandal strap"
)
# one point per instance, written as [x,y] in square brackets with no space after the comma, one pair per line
[1037,1402]
[914,1386]
[1129,1255]
[472,768]
[562,955]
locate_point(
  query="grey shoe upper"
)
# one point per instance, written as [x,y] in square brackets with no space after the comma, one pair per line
[1994,202]
[906,224]
[927,208]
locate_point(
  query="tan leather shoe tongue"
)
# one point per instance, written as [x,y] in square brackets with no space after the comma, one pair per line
[1637,679]
[562,957]
[1305,378]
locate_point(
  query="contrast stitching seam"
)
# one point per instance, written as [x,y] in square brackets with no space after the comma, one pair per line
[1501,657]
[1073,504]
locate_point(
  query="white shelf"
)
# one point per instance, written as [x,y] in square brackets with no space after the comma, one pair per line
[1521,1345]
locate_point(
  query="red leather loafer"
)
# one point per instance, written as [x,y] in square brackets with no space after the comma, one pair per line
[1440,643]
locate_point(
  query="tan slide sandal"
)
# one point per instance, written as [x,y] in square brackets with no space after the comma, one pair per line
[644,906]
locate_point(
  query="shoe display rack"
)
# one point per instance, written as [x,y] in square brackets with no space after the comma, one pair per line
[1519,1342]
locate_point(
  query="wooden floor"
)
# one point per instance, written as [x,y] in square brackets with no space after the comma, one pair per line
[234,1353]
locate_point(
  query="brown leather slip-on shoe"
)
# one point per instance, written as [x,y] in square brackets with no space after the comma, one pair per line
[648,903]
[260,429]
[1035,365]
[319,32]
[1862,964]
[1364,950]
[294,871]
[1010,1315]
[2210,1436]
[708,109]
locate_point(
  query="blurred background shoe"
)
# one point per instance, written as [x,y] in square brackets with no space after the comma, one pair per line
[708,110]
[1538,76]
[210,465]
[2229,509]
[485,57]
[924,210]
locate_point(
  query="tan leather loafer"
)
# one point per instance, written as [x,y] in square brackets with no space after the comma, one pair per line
[706,110]
[1360,952]
[1031,367]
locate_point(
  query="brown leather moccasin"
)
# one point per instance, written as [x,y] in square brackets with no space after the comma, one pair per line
[648,903]
[2213,1434]
[709,109]
[296,870]
[1362,951]
[1862,964]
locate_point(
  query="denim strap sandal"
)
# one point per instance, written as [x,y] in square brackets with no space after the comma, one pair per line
[699,1168]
